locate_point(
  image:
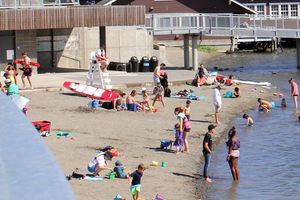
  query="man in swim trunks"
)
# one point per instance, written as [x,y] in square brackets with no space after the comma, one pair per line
[131,102]
[156,74]
[264,105]
[27,71]
[294,92]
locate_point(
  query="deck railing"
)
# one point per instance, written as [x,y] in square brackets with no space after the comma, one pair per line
[35,3]
[249,25]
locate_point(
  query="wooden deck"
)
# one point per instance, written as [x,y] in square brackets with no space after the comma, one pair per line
[69,17]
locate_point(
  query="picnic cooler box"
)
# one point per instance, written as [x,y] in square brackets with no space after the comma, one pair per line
[45,127]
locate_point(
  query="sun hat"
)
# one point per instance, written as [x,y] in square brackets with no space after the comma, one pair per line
[7,81]
[143,89]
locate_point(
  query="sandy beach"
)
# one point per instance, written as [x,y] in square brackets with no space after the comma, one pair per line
[137,137]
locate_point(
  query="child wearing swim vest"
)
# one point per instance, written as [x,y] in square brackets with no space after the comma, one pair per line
[135,181]
[159,95]
[249,120]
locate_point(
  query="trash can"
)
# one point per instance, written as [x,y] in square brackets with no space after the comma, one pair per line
[144,64]
[129,67]
[134,64]
[153,63]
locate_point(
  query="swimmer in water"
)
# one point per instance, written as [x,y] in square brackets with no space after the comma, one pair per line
[283,103]
[249,120]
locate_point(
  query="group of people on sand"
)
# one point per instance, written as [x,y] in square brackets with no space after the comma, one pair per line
[10,74]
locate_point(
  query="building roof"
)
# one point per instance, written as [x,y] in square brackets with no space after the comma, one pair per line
[243,6]
[106,2]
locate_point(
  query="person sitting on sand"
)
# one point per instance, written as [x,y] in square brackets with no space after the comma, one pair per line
[230,81]
[283,103]
[249,120]
[131,103]
[264,105]
[237,92]
[233,145]
[119,169]
[146,100]
[99,163]
[201,75]
[121,102]
[159,95]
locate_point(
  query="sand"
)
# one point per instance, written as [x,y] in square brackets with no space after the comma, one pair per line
[137,137]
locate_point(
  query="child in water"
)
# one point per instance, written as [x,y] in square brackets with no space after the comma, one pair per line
[178,139]
[283,103]
[249,120]
[187,109]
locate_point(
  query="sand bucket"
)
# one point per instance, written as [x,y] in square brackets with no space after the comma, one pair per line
[154,163]
[111,175]
[164,164]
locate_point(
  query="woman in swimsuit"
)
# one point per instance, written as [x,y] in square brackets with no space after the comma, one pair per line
[233,145]
[185,126]
[159,95]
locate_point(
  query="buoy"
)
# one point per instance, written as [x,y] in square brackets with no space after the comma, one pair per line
[262,91]
[275,94]
[281,95]
[255,88]
[252,90]
[245,89]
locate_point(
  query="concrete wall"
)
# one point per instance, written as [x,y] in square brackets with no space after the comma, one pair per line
[72,49]
[122,44]
[26,41]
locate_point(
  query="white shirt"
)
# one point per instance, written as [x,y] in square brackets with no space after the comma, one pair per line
[217,97]
[100,160]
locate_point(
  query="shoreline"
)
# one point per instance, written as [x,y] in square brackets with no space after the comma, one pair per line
[137,136]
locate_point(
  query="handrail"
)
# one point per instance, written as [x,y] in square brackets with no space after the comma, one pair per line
[36,3]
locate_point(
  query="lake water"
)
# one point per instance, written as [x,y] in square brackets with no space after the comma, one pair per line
[269,162]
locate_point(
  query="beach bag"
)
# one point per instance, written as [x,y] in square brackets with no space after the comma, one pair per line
[158,197]
[78,173]
[45,127]
[167,92]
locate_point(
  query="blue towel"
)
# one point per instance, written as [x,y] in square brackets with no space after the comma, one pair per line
[93,178]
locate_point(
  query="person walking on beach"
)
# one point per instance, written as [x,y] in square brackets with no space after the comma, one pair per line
[135,181]
[233,145]
[294,92]
[207,151]
[157,76]
[217,102]
[185,126]
[27,71]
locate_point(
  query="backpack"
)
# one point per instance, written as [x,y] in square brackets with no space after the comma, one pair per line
[167,92]
[78,173]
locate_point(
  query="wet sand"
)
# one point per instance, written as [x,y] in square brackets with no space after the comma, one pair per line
[137,137]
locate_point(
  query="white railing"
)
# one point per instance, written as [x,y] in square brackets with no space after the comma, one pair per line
[184,23]
[35,3]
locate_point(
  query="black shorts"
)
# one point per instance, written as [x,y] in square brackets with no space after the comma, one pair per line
[295,95]
[27,72]
[186,129]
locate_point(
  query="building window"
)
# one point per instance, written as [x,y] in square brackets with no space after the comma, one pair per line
[284,10]
[260,9]
[274,10]
[294,10]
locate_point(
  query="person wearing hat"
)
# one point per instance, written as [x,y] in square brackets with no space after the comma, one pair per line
[11,87]
[99,163]
[119,169]
[217,102]
[207,150]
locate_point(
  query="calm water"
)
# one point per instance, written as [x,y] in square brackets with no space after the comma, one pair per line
[270,151]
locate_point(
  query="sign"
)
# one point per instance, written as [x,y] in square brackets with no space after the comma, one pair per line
[10,54]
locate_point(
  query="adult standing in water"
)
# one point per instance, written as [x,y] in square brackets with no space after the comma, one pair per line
[185,126]
[233,145]
[207,150]
[294,91]
[217,102]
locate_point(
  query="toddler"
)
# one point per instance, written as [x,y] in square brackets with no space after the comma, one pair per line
[119,169]
[178,144]
[135,181]
[249,120]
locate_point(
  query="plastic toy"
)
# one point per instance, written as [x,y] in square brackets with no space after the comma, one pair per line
[154,163]
[164,164]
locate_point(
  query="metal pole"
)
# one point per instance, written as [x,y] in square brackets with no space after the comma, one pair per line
[186,52]
[195,52]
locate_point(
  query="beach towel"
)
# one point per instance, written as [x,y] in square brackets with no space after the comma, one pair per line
[93,178]
[190,97]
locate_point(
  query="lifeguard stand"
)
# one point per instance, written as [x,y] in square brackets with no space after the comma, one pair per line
[96,76]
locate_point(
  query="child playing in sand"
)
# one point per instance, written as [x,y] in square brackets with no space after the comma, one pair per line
[187,109]
[119,169]
[135,181]
[146,100]
[237,92]
[159,95]
[249,120]
[178,139]
[283,103]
